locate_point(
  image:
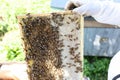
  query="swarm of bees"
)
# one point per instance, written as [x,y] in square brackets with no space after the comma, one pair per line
[52,45]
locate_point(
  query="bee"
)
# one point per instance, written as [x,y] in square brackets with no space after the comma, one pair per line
[77,44]
[77,28]
[65,57]
[76,48]
[72,30]
[76,39]
[63,66]
[68,45]
[70,39]
[68,22]
[79,69]
[70,36]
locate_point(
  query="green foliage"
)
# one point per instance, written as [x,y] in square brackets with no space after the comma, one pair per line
[9,9]
[14,53]
[3,29]
[96,67]
[11,48]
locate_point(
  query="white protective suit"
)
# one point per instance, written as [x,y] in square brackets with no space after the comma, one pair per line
[103,11]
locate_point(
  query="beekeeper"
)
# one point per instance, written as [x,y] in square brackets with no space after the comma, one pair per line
[103,11]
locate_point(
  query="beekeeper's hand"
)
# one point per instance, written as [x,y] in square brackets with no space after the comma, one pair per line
[83,7]
[103,11]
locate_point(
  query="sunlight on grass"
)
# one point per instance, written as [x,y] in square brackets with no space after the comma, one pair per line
[9,9]
[11,48]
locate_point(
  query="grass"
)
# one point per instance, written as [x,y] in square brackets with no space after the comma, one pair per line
[9,9]
[11,48]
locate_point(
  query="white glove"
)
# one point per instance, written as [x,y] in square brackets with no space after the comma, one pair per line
[103,11]
[83,7]
[114,68]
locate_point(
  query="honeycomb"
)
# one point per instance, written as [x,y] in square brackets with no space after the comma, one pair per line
[53,45]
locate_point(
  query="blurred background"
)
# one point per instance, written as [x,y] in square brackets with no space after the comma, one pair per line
[10,42]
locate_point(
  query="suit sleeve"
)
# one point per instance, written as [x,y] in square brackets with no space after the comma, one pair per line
[109,13]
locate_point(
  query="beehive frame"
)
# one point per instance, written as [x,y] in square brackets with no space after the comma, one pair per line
[53,44]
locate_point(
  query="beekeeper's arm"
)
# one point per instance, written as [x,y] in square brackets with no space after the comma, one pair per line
[103,11]
[114,68]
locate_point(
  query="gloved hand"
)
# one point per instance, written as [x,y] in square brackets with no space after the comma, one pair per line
[83,7]
[103,11]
